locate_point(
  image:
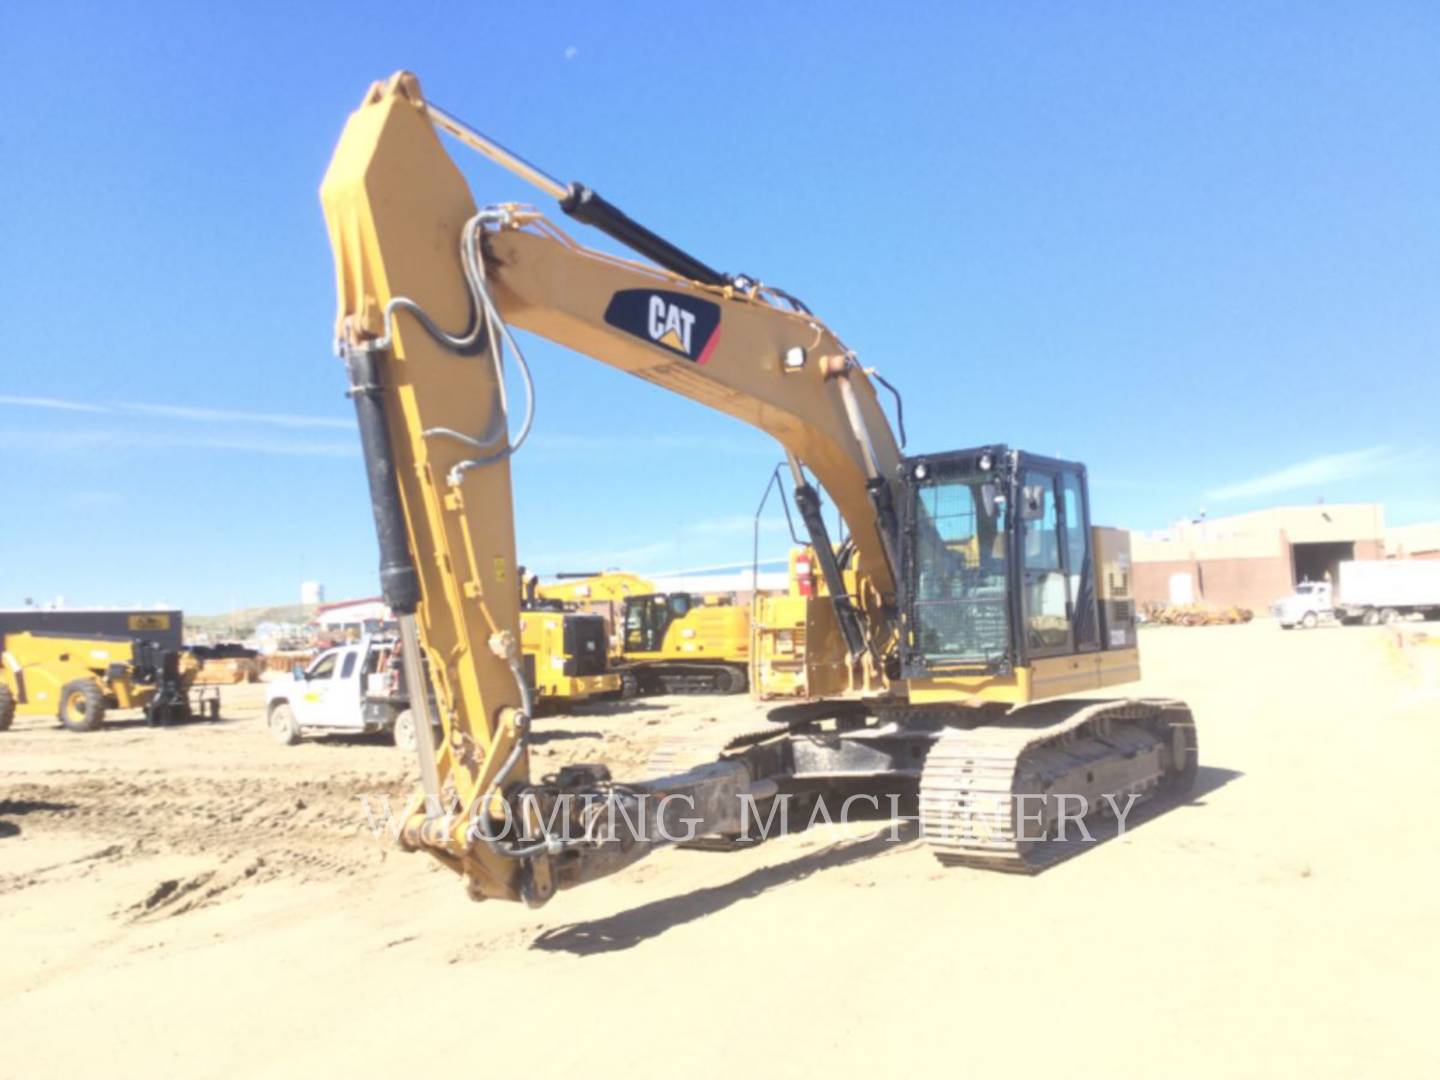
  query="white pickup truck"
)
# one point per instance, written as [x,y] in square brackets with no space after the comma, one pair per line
[354,688]
[1369,592]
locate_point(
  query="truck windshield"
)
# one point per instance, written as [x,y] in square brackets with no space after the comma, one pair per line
[959,573]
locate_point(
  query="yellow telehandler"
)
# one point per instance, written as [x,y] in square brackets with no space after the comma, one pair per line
[77,679]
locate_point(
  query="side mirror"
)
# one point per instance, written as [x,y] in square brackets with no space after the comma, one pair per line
[1032,502]
[297,671]
[990,499]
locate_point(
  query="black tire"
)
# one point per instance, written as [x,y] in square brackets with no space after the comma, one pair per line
[1371,617]
[7,707]
[282,724]
[1389,615]
[403,732]
[82,705]
[1309,620]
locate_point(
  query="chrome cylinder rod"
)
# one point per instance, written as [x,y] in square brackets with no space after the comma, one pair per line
[497,153]
[417,686]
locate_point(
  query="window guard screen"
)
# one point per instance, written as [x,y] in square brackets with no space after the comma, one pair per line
[959,574]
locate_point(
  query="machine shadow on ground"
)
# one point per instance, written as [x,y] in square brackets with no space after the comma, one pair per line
[540,738]
[626,929]
[111,725]
[13,808]
[1208,779]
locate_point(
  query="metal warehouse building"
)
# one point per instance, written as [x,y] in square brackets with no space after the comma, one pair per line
[1253,559]
[162,626]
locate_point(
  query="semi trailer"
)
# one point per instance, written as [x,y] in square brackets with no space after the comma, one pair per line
[1367,592]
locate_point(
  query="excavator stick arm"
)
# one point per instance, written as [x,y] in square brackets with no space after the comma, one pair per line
[424,284]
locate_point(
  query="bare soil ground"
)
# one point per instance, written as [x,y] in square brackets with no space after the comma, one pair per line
[201,901]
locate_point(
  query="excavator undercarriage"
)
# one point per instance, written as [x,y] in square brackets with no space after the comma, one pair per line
[994,788]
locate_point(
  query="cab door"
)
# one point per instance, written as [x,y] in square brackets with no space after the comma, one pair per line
[340,706]
[1078,542]
[1058,608]
[329,696]
[646,620]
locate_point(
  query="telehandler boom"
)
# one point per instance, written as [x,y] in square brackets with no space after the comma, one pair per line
[982,594]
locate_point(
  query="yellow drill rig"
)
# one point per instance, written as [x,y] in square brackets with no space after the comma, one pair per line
[978,606]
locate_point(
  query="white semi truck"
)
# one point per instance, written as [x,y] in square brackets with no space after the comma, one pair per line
[1368,592]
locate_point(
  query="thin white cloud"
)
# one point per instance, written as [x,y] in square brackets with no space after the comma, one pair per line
[1326,469]
[91,500]
[59,442]
[733,525]
[189,412]
[575,443]
[579,560]
[196,413]
[275,447]
[50,403]
[1123,483]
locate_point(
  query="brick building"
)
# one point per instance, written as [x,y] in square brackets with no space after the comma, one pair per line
[1253,559]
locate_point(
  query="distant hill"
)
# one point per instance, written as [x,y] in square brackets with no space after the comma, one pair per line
[242,622]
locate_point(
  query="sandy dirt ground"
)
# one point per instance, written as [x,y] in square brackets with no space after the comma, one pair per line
[201,901]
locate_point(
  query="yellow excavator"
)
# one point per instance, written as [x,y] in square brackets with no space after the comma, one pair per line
[676,642]
[976,676]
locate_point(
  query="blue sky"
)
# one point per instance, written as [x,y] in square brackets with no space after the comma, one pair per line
[1196,246]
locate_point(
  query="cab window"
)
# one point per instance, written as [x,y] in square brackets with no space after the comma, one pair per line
[348,667]
[1079,570]
[646,618]
[323,668]
[959,572]
[1047,615]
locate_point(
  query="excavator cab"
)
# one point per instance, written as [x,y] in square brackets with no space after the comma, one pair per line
[997,565]
[648,617]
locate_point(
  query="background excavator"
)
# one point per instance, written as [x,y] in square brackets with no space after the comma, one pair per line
[675,642]
[983,602]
